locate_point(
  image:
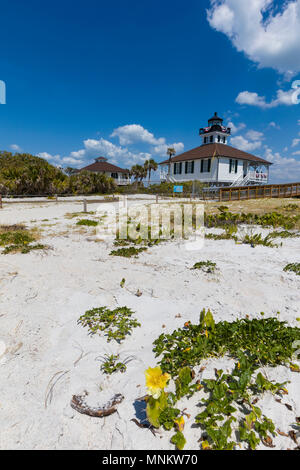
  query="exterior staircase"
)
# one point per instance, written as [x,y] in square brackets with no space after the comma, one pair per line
[166,177]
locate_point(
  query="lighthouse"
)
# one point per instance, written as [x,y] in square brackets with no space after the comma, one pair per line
[215,133]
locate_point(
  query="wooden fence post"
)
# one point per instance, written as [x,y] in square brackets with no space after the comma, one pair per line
[0,201]
[84,206]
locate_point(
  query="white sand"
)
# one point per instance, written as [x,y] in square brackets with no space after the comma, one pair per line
[45,357]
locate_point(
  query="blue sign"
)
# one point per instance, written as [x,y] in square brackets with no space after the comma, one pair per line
[178,189]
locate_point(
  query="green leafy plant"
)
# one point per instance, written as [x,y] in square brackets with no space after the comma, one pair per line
[17,239]
[207,266]
[24,248]
[179,440]
[253,343]
[155,407]
[87,222]
[284,234]
[258,239]
[228,394]
[111,365]
[270,219]
[128,252]
[228,234]
[267,340]
[293,267]
[115,324]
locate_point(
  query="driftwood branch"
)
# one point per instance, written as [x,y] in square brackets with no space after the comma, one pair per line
[79,404]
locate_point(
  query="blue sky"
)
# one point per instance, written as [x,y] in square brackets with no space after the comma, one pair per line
[128,79]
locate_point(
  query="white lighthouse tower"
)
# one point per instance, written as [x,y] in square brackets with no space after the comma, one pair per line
[215,133]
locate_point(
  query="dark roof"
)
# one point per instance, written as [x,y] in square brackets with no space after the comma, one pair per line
[104,166]
[221,150]
[215,118]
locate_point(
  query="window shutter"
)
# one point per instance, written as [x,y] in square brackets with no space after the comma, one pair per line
[209,165]
[193,166]
[202,161]
[180,168]
[236,165]
[186,167]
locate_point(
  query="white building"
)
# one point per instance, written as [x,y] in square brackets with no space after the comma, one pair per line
[215,162]
[102,166]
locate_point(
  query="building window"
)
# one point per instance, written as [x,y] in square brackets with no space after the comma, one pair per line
[211,138]
[205,140]
[224,140]
[114,175]
[205,166]
[189,167]
[219,138]
[233,166]
[178,168]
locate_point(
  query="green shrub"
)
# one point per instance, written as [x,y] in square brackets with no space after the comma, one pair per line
[293,267]
[258,239]
[87,222]
[111,365]
[15,238]
[24,248]
[267,341]
[128,252]
[206,266]
[272,219]
[230,397]
[115,324]
[284,234]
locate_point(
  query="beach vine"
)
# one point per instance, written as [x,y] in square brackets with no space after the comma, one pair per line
[230,408]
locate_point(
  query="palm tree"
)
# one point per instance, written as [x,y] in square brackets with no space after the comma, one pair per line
[171,152]
[138,172]
[150,165]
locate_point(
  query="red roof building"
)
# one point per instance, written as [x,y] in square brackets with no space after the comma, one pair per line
[102,166]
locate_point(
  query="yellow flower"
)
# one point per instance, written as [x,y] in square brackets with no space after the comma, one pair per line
[179,423]
[205,445]
[156,381]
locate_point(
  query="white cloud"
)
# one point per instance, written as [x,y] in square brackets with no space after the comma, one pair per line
[59,160]
[132,133]
[48,156]
[115,153]
[162,149]
[15,148]
[295,142]
[234,128]
[284,169]
[253,99]
[274,125]
[243,144]
[254,135]
[118,154]
[267,38]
